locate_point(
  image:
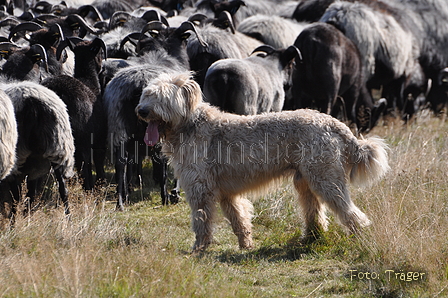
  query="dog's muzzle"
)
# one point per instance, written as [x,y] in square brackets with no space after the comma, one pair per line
[143,112]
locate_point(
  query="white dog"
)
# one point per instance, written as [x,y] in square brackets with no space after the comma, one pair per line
[219,156]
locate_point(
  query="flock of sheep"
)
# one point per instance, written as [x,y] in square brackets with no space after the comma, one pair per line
[72,73]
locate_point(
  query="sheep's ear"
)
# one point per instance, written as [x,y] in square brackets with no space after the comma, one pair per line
[289,54]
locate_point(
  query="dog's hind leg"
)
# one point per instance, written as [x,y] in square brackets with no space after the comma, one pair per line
[203,212]
[239,211]
[315,217]
[331,187]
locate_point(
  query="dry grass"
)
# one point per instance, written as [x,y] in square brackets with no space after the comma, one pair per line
[144,252]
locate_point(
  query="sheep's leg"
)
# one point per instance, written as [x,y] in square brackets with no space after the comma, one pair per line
[120,176]
[99,155]
[14,188]
[35,189]
[175,193]
[63,192]
[87,170]
[160,167]
[83,165]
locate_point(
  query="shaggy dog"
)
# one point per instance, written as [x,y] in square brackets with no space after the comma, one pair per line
[219,156]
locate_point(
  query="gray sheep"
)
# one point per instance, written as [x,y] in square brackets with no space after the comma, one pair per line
[44,139]
[8,136]
[250,86]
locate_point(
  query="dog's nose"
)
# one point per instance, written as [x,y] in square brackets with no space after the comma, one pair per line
[143,112]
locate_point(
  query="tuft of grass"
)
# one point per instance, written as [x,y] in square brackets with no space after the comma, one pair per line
[145,251]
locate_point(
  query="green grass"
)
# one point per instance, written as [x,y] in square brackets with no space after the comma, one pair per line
[145,251]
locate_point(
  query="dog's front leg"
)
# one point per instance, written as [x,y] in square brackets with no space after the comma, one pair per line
[203,210]
[239,211]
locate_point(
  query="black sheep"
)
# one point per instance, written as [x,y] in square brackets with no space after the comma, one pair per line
[82,95]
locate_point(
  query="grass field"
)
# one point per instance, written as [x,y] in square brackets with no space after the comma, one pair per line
[144,251]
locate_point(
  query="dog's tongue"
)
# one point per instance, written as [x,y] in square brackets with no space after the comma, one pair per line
[152,134]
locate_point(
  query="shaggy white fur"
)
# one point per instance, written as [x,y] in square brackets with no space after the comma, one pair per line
[8,135]
[219,156]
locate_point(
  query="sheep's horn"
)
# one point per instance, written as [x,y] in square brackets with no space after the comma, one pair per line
[290,53]
[264,48]
[154,15]
[130,37]
[154,25]
[38,53]
[68,42]
[27,26]
[42,7]
[84,10]
[77,19]
[225,19]
[9,22]
[99,42]
[26,16]
[6,48]
[185,26]
[198,17]
[57,30]
[119,17]
[44,18]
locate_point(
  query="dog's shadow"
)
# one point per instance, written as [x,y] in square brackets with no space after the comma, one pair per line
[273,253]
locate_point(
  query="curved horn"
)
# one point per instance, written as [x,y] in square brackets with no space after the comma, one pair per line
[10,22]
[154,25]
[75,19]
[57,31]
[154,15]
[42,7]
[185,26]
[198,18]
[84,10]
[38,53]
[264,48]
[26,16]
[224,21]
[44,19]
[27,26]
[130,38]
[289,54]
[68,42]
[99,42]
[119,17]
[6,48]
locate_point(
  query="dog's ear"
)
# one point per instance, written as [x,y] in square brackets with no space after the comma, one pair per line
[190,92]
[194,93]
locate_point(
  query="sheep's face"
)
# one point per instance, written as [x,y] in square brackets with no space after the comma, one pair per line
[169,100]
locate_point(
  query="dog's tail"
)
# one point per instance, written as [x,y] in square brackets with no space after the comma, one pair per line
[369,161]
